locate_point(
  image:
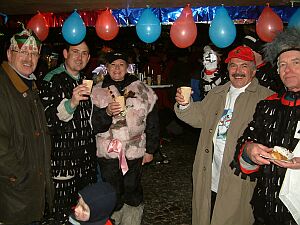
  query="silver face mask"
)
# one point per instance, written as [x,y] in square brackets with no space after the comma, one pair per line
[210,60]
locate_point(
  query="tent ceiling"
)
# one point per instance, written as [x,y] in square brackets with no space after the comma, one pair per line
[17,7]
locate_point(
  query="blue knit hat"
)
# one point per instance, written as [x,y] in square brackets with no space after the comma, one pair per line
[101,199]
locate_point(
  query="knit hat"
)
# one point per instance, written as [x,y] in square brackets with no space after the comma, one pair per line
[25,40]
[112,56]
[253,41]
[241,52]
[285,41]
[101,199]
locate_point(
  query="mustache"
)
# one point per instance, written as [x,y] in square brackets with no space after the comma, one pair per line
[238,75]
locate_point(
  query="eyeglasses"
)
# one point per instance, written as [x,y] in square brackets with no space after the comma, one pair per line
[25,53]
[77,53]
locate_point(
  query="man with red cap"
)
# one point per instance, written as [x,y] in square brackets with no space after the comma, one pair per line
[25,175]
[222,115]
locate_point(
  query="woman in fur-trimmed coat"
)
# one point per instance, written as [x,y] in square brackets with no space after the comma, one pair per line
[126,139]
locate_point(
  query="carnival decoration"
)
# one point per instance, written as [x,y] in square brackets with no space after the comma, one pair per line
[222,31]
[73,29]
[183,32]
[148,27]
[295,20]
[268,25]
[39,26]
[107,26]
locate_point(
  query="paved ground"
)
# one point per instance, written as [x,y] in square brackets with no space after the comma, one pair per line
[168,187]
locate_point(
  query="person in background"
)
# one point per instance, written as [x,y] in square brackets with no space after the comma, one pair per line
[275,123]
[266,72]
[95,205]
[126,138]
[211,76]
[25,174]
[223,114]
[68,109]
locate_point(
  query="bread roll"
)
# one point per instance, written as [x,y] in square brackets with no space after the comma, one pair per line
[280,153]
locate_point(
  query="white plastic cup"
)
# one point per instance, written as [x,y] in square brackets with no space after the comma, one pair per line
[121,101]
[186,92]
[89,84]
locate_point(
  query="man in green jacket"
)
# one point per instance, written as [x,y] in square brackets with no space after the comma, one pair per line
[25,180]
[219,196]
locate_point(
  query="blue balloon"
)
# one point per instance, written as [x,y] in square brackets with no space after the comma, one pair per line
[73,29]
[222,31]
[294,21]
[148,27]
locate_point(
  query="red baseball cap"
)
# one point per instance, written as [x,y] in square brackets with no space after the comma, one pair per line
[241,52]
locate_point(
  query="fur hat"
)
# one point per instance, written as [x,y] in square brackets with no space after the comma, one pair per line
[285,41]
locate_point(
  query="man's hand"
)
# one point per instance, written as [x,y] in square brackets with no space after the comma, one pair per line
[81,92]
[293,164]
[258,153]
[147,158]
[179,97]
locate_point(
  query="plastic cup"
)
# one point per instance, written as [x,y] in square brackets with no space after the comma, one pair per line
[149,80]
[121,101]
[89,84]
[158,79]
[186,92]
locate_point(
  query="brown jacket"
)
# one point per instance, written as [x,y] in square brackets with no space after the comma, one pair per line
[25,179]
[232,205]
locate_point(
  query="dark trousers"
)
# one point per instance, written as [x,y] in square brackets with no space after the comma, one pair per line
[213,201]
[128,187]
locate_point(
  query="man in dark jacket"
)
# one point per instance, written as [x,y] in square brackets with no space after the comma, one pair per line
[68,108]
[25,180]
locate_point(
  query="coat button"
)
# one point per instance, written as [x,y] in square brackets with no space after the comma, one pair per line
[12,179]
[210,130]
[216,113]
[204,168]
[206,150]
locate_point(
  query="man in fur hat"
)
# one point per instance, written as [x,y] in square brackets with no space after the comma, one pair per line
[275,123]
[25,180]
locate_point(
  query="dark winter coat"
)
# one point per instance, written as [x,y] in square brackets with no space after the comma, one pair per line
[25,179]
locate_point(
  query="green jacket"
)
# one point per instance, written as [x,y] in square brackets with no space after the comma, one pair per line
[232,205]
[25,179]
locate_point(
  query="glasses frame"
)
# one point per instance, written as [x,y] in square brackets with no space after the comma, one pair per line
[26,53]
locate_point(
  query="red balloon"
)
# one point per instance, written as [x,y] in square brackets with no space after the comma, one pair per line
[268,25]
[39,26]
[107,26]
[183,32]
